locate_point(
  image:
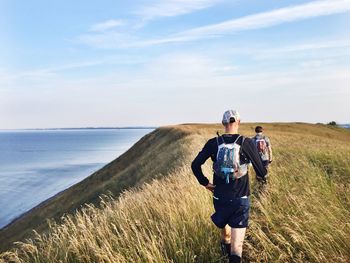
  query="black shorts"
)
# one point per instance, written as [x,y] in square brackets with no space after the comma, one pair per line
[234,212]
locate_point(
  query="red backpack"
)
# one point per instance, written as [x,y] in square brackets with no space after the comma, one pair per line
[261,144]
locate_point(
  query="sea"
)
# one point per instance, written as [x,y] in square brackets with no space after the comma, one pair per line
[37,164]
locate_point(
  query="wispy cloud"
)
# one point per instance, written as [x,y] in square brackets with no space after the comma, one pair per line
[325,49]
[107,25]
[189,79]
[169,8]
[113,39]
[56,72]
[168,80]
[313,46]
[49,72]
[264,20]
[107,34]
[318,63]
[108,40]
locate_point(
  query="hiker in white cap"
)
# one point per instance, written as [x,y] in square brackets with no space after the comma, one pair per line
[230,153]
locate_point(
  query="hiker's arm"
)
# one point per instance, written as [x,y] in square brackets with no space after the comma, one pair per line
[270,153]
[252,153]
[196,166]
[269,148]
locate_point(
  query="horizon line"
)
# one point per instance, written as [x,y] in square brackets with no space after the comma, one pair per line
[83,128]
[151,127]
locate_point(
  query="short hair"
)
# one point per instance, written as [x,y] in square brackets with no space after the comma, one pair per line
[258,129]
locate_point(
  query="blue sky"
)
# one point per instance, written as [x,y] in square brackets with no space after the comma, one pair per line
[157,62]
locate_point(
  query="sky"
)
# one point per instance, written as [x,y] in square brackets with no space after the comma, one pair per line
[158,62]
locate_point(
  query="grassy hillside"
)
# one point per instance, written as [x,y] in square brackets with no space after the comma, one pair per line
[138,165]
[303,215]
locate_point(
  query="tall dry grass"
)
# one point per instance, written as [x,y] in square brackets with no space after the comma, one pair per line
[302,215]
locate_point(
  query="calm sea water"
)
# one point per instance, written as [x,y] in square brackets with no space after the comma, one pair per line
[37,164]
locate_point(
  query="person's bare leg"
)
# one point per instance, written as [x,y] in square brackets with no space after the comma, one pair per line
[225,243]
[237,238]
[226,234]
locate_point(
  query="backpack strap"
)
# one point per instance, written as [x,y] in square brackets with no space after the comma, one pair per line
[239,136]
[222,140]
[243,138]
[240,149]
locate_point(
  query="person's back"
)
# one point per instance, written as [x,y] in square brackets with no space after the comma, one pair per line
[230,153]
[263,145]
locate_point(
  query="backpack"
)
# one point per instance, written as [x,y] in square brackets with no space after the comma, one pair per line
[261,145]
[228,160]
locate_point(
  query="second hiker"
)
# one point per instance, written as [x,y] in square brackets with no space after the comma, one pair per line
[263,146]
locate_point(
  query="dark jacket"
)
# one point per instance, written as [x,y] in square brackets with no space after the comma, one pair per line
[235,188]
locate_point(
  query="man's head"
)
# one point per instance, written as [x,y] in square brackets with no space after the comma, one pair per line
[259,129]
[231,118]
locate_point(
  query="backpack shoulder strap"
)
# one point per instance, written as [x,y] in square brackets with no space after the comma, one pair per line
[236,141]
[218,140]
[242,141]
[263,138]
[222,140]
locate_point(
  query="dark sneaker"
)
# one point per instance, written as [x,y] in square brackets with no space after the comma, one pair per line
[225,248]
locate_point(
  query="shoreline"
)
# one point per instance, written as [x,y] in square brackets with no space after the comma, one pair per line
[83,128]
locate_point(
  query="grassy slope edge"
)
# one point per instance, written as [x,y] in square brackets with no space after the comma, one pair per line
[303,216]
[138,165]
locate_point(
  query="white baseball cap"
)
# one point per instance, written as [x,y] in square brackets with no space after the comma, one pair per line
[230,116]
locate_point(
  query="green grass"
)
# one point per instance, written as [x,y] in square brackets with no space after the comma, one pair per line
[302,216]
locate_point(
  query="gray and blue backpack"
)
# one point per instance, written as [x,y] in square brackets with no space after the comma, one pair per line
[228,163]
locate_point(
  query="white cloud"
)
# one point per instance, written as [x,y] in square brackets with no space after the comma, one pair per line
[266,19]
[49,72]
[324,45]
[55,71]
[112,39]
[106,35]
[318,63]
[193,81]
[187,66]
[107,25]
[108,40]
[169,8]
[320,45]
[322,49]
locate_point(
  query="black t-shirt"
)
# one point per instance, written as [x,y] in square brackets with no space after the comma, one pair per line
[235,188]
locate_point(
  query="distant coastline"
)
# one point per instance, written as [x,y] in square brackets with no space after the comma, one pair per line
[346,126]
[83,128]
[37,164]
